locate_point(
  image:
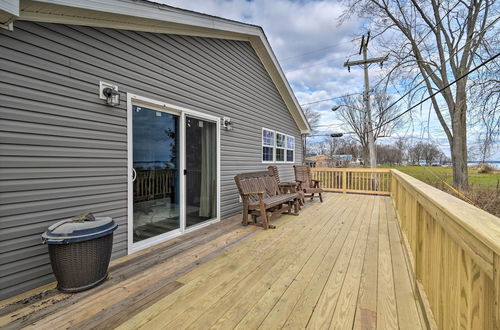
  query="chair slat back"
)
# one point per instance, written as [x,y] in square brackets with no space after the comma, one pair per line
[255,182]
[303,174]
[274,170]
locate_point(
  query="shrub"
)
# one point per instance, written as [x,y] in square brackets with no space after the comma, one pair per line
[485,168]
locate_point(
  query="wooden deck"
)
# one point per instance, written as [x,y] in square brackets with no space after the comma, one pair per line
[339,265]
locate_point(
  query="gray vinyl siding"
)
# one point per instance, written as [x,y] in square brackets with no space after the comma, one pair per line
[63,152]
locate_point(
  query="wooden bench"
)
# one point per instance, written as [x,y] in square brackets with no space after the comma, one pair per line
[307,184]
[262,196]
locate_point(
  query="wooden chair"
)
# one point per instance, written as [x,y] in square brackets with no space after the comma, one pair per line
[287,187]
[307,184]
[262,197]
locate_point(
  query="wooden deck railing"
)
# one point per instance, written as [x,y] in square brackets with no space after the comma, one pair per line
[454,253]
[354,180]
[151,184]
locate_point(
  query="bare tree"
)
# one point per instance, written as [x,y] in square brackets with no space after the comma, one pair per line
[352,112]
[425,151]
[431,153]
[443,41]
[313,117]
[402,146]
[484,117]
[415,153]
[390,155]
[348,146]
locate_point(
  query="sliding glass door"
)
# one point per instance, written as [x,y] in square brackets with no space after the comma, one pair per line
[174,172]
[201,170]
[156,202]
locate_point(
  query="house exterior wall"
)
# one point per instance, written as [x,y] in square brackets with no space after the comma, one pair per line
[63,152]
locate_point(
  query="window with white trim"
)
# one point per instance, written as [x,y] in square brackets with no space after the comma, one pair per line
[280,147]
[290,149]
[277,147]
[268,143]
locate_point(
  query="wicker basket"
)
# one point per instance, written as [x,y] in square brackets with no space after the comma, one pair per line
[82,265]
[80,250]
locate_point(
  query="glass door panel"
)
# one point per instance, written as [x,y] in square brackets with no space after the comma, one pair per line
[201,171]
[156,202]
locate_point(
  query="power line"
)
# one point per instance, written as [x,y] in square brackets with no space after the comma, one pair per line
[308,66]
[435,93]
[332,98]
[381,80]
[317,50]
[423,80]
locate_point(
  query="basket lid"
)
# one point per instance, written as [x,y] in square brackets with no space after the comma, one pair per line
[81,229]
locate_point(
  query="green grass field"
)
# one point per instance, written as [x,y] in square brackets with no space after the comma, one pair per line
[432,174]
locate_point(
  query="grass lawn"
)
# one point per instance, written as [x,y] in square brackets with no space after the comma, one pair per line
[484,188]
[432,174]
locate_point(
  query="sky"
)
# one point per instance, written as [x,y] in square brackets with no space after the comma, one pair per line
[311,46]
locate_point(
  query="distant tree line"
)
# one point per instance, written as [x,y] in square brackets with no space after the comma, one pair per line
[401,152]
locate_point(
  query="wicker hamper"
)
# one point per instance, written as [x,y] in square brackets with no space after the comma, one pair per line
[80,252]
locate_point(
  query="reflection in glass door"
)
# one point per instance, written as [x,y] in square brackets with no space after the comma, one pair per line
[156,202]
[201,171]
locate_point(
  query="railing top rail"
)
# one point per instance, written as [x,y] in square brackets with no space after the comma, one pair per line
[349,169]
[483,225]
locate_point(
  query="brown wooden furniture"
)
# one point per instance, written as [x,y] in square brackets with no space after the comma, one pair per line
[262,197]
[287,187]
[307,184]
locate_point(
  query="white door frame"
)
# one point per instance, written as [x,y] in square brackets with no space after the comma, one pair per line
[182,112]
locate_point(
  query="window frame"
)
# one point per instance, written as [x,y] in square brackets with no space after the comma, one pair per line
[289,149]
[275,147]
[282,148]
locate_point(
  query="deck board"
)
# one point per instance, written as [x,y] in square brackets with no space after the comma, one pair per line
[339,264]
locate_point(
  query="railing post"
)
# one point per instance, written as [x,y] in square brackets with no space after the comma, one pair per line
[344,180]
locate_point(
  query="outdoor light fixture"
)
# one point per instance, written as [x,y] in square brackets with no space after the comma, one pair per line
[335,107]
[109,93]
[227,124]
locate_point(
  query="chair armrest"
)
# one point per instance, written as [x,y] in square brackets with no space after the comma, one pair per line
[315,180]
[286,187]
[299,184]
[254,193]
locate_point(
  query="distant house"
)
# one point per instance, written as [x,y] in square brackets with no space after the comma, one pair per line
[134,110]
[328,161]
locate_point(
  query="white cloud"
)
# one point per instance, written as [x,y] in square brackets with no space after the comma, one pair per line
[311,47]
[306,37]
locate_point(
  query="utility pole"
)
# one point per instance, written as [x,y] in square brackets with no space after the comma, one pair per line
[366,94]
